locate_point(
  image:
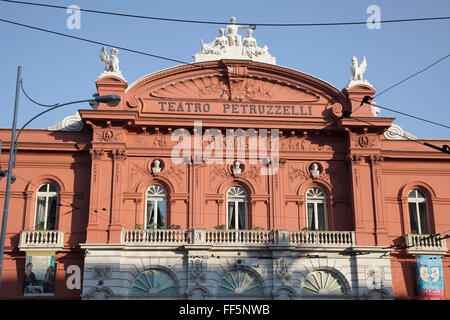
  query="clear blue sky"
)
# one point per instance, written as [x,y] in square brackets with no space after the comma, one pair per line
[57,69]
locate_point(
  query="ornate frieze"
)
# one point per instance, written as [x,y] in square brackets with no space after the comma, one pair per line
[302,144]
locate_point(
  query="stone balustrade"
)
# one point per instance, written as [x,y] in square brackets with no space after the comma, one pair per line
[425,243]
[41,239]
[149,237]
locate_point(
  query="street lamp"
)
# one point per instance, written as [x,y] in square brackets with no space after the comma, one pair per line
[112,100]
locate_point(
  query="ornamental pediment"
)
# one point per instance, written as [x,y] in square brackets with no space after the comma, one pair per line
[221,88]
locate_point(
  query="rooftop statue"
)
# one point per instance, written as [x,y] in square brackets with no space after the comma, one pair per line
[357,72]
[234,38]
[219,45]
[111,62]
[230,45]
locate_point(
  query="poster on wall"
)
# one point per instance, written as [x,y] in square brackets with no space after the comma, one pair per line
[430,282]
[39,277]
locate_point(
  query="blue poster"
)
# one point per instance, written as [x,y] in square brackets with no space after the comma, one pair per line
[430,280]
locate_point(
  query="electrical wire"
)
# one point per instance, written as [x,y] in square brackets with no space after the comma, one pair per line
[411,76]
[400,82]
[95,42]
[221,23]
[183,62]
[187,63]
[407,138]
[411,116]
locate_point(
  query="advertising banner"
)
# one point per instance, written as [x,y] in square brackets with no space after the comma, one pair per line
[39,277]
[430,282]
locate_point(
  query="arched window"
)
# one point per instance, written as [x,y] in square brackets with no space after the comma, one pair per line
[46,207]
[236,208]
[153,281]
[155,209]
[239,282]
[315,209]
[418,216]
[322,282]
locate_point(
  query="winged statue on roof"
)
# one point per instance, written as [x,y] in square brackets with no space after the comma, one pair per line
[357,71]
[111,61]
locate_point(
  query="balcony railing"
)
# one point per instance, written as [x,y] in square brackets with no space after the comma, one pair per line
[177,237]
[41,239]
[425,243]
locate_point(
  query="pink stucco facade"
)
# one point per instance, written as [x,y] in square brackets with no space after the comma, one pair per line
[103,172]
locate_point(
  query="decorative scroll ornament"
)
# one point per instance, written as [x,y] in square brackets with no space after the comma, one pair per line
[69,123]
[395,132]
[357,72]
[112,63]
[230,45]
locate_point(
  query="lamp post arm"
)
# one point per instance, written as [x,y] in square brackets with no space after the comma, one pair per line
[37,116]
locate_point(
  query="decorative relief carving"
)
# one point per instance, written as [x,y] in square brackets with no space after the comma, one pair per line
[355,158]
[207,87]
[376,158]
[175,173]
[237,86]
[302,144]
[364,141]
[282,271]
[109,135]
[138,170]
[253,173]
[218,172]
[160,141]
[216,87]
[119,154]
[96,154]
[198,271]
[294,173]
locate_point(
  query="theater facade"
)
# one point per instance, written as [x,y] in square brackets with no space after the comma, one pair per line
[228,178]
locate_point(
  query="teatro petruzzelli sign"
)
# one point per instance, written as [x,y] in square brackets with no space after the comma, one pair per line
[228,108]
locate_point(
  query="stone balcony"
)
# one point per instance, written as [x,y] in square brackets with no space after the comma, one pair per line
[425,244]
[41,240]
[248,238]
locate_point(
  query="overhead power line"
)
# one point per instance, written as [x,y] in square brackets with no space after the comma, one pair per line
[221,23]
[196,64]
[93,41]
[412,76]
[368,98]
[445,148]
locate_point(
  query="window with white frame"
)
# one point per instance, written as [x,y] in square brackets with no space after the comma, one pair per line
[46,207]
[315,209]
[236,208]
[155,208]
[418,216]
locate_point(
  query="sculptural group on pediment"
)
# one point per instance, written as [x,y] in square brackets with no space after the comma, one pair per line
[230,45]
